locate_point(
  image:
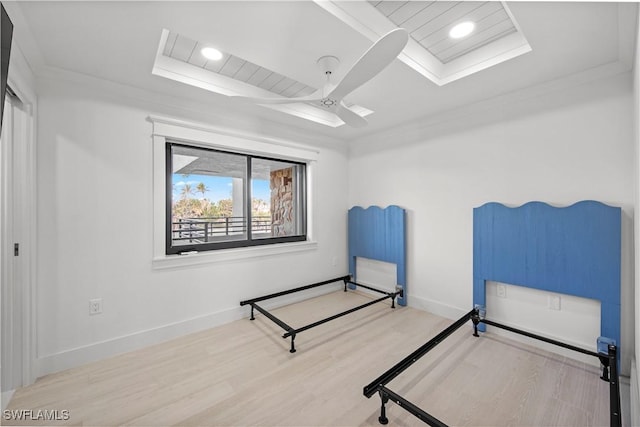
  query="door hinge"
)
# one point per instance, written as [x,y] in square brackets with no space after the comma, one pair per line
[16,249]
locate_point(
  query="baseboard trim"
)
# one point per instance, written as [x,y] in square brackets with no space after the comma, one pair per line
[454,313]
[101,350]
[6,398]
[97,351]
[436,307]
[634,396]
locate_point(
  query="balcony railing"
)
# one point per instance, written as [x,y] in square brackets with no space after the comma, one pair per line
[210,229]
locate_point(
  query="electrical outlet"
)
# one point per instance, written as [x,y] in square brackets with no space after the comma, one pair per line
[95,306]
[502,290]
[553,302]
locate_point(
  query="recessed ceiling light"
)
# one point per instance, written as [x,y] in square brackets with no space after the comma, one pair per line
[461,30]
[211,53]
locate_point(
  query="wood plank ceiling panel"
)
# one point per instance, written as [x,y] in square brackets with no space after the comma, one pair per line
[259,76]
[272,80]
[407,11]
[231,67]
[478,16]
[492,33]
[197,58]
[388,7]
[216,66]
[171,41]
[184,49]
[429,23]
[425,15]
[245,72]
[445,19]
[282,85]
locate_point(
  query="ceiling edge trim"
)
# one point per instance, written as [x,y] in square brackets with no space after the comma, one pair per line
[154,101]
[627,24]
[178,128]
[490,62]
[415,130]
[21,78]
[23,36]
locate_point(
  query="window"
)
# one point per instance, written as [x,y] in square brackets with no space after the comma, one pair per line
[216,139]
[217,199]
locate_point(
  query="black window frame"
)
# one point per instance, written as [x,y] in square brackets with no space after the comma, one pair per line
[170,249]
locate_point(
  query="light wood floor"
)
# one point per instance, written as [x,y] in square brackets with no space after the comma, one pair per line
[242,374]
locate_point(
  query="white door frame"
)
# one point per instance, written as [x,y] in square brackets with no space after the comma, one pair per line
[7,285]
[19,181]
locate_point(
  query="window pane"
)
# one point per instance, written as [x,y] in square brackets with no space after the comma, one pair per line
[208,196]
[277,198]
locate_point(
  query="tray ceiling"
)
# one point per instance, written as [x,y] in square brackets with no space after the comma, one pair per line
[428,23]
[115,42]
[430,51]
[178,58]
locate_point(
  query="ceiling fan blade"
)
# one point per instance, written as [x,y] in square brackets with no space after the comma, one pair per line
[349,116]
[374,60]
[283,100]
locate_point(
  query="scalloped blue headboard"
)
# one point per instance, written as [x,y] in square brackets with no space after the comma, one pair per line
[379,234]
[573,250]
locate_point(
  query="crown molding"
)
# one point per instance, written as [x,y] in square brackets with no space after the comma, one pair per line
[160,104]
[478,113]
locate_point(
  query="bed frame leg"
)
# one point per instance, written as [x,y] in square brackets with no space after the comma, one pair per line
[475,318]
[605,370]
[393,301]
[252,317]
[293,347]
[382,419]
[614,387]
[605,347]
[479,313]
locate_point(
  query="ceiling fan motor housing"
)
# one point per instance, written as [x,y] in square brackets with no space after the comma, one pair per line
[328,64]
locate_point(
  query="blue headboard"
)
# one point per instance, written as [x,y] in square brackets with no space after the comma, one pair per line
[573,250]
[379,234]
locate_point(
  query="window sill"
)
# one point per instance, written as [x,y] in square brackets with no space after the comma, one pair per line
[224,255]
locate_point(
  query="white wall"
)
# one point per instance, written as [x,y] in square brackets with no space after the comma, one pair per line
[20,217]
[95,227]
[635,380]
[557,146]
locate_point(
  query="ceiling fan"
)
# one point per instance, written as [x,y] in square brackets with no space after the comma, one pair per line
[331,96]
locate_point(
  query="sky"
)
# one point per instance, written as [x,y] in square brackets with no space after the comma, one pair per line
[219,187]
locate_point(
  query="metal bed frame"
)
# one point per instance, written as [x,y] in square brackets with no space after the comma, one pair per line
[292,332]
[607,354]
